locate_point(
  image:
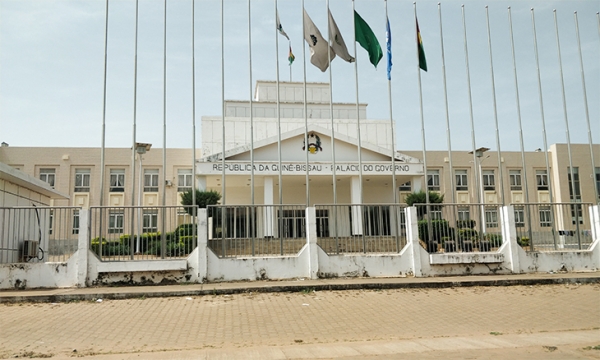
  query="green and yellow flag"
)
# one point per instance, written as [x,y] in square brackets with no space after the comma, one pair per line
[367,39]
[291,56]
[422,60]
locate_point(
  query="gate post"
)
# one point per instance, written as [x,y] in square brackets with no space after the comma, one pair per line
[202,231]
[509,236]
[83,246]
[412,238]
[311,240]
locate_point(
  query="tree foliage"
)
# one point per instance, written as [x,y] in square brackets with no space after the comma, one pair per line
[419,197]
[203,199]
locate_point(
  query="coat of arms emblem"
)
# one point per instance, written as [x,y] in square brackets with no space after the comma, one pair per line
[314,143]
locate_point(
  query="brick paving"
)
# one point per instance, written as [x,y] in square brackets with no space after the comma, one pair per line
[215,322]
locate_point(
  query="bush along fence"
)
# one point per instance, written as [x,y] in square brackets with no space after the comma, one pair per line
[246,243]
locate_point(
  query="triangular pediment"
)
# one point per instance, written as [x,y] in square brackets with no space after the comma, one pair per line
[292,143]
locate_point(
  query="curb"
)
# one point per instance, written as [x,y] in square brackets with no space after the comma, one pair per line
[441,284]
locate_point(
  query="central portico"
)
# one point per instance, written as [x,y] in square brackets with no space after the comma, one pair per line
[264,161]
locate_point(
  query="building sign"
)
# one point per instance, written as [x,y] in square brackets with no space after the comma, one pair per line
[299,168]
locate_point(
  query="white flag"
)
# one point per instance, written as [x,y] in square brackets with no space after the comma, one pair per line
[337,41]
[279,27]
[318,45]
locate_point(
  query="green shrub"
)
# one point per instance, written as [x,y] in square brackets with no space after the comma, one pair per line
[467,234]
[523,241]
[466,224]
[440,229]
[494,239]
[185,229]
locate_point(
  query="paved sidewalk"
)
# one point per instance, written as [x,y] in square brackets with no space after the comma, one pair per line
[297,285]
[522,321]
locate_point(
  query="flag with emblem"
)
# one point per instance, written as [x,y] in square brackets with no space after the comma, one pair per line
[337,41]
[279,27]
[367,39]
[318,45]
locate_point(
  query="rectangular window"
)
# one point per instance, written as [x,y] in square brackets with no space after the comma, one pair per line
[541,179]
[489,181]
[82,180]
[115,222]
[406,186]
[376,220]
[436,214]
[515,179]
[322,223]
[491,218]
[519,217]
[598,182]
[461,180]
[150,221]
[51,225]
[75,221]
[545,216]
[576,213]
[463,213]
[48,175]
[293,222]
[433,180]
[184,180]
[574,184]
[117,180]
[151,180]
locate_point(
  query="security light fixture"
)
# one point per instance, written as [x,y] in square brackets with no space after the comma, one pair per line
[479,152]
[142,148]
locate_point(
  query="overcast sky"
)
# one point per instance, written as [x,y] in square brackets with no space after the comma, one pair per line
[52,67]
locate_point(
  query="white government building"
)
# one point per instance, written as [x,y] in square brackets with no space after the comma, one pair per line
[75,172]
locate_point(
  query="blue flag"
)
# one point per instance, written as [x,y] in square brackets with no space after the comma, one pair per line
[388,41]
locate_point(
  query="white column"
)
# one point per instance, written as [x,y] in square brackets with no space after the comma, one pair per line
[201,183]
[268,211]
[357,220]
[509,237]
[417,183]
[83,245]
[412,237]
[311,239]
[202,231]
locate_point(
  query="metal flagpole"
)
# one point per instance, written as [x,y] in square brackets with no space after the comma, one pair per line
[305,111]
[587,113]
[224,201]
[102,159]
[446,108]
[360,174]
[500,172]
[518,103]
[475,163]
[333,169]
[194,208]
[564,100]
[392,127]
[278,113]
[545,138]
[251,107]
[133,147]
[252,210]
[164,152]
[422,125]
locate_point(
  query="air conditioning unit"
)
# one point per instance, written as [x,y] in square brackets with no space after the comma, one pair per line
[29,250]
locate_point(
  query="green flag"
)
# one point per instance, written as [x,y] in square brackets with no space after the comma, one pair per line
[365,37]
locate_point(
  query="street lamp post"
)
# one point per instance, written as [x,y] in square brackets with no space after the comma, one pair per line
[479,155]
[140,149]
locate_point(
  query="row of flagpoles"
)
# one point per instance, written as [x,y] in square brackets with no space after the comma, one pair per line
[322,52]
